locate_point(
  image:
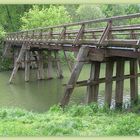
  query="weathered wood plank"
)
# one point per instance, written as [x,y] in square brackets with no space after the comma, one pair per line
[108,82]
[15,53]
[6,49]
[119,84]
[40,72]
[79,34]
[133,82]
[103,80]
[83,52]
[58,65]
[17,63]
[105,32]
[49,68]
[27,65]
[92,90]
[87,22]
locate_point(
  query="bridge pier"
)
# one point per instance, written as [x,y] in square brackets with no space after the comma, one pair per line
[27,65]
[58,65]
[18,62]
[40,69]
[93,89]
[94,80]
[26,58]
[49,67]
[109,82]
[119,83]
[134,81]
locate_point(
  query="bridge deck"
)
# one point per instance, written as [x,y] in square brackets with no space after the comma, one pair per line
[72,36]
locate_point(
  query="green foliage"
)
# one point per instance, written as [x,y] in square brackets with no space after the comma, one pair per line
[72,10]
[2,32]
[113,9]
[125,126]
[132,8]
[76,120]
[121,9]
[43,17]
[5,64]
[90,12]
[10,15]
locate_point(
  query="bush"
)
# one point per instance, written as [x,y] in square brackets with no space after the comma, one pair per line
[44,17]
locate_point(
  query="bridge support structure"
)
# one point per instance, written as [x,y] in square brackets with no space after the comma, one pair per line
[27,59]
[113,64]
[111,43]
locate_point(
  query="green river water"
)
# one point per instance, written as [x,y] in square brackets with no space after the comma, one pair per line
[40,95]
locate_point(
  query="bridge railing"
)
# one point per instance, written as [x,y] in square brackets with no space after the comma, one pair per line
[84,33]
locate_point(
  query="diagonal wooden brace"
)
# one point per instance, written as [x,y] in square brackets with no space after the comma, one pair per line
[83,52]
[23,49]
[105,33]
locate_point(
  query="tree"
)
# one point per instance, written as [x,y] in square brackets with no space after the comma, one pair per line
[2,32]
[71,8]
[90,12]
[42,17]
[132,9]
[121,9]
[113,9]
[10,15]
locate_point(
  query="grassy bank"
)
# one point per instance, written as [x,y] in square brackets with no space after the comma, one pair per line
[73,121]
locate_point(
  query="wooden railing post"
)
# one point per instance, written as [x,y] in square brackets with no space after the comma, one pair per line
[26,36]
[21,36]
[49,36]
[32,35]
[63,36]
[40,35]
[79,35]
[105,32]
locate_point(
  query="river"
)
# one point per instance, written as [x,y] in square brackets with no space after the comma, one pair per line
[40,95]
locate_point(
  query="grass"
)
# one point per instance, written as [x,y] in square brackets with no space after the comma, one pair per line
[77,120]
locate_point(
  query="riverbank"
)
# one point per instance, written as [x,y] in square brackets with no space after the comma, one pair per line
[73,121]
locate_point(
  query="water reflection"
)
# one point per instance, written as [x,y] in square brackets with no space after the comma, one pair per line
[38,96]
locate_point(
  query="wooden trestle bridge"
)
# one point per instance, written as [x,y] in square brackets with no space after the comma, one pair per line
[110,44]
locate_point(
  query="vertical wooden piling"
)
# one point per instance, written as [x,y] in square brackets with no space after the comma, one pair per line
[108,82]
[40,72]
[49,68]
[119,83]
[58,65]
[93,89]
[23,62]
[133,82]
[18,61]
[27,65]
[82,55]
[16,53]
[66,59]
[35,58]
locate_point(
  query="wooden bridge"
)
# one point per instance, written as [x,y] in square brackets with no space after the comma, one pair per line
[110,44]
